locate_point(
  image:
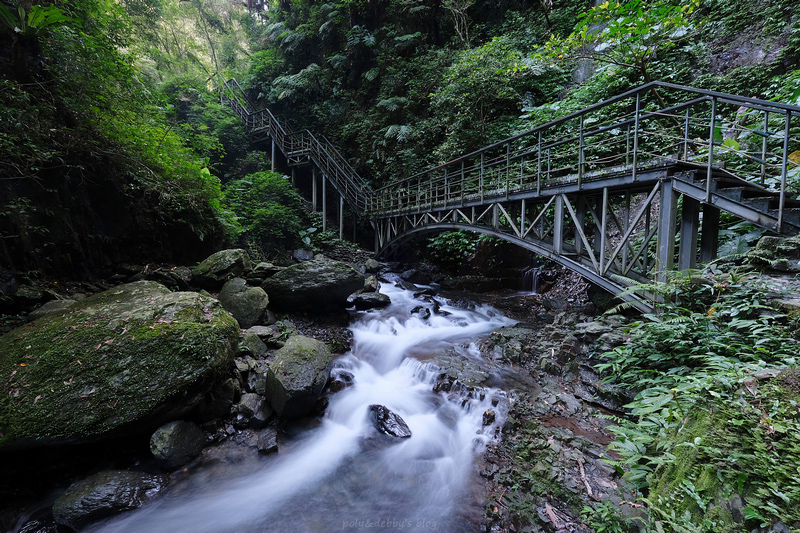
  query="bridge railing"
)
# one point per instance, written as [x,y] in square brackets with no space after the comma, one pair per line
[301,145]
[753,139]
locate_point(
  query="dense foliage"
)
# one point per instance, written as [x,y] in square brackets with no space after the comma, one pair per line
[712,441]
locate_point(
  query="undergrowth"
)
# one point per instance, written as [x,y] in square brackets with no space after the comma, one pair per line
[711,441]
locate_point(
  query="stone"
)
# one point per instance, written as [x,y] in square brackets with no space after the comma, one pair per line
[267,441]
[415,276]
[50,308]
[371,284]
[371,266]
[388,422]
[248,305]
[303,255]
[489,417]
[592,329]
[220,267]
[255,410]
[176,443]
[767,373]
[105,494]
[251,344]
[315,286]
[123,361]
[263,270]
[297,375]
[371,300]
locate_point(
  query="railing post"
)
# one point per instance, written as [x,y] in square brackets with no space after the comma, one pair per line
[341,217]
[784,167]
[446,188]
[764,147]
[480,179]
[636,134]
[539,166]
[314,189]
[711,147]
[580,152]
[324,206]
[273,153]
[508,167]
[686,137]
[463,192]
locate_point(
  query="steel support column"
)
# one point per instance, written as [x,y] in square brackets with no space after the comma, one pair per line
[690,220]
[709,233]
[667,217]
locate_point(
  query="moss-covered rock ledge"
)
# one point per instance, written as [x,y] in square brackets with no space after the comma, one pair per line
[125,360]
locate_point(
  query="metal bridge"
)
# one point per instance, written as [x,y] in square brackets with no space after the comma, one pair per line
[620,192]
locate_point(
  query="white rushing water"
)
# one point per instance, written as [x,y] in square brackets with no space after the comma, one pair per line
[343,475]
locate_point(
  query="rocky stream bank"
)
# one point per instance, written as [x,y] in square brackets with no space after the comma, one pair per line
[164,373]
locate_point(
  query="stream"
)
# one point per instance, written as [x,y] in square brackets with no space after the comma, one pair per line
[339,473]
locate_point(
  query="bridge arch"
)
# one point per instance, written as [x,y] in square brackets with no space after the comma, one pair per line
[539,248]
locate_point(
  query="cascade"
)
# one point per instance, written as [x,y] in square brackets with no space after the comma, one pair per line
[342,475]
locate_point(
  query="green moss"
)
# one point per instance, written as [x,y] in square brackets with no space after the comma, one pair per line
[118,356]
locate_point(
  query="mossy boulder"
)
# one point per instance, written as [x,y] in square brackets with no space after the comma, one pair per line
[125,360]
[248,305]
[318,286]
[297,374]
[220,267]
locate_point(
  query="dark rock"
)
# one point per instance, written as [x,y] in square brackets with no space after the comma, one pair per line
[255,410]
[297,374]
[267,441]
[248,305]
[105,494]
[371,300]
[415,276]
[175,444]
[423,312]
[388,422]
[123,361]
[218,402]
[220,267]
[340,380]
[316,286]
[489,417]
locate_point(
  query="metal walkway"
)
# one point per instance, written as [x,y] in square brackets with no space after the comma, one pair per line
[620,192]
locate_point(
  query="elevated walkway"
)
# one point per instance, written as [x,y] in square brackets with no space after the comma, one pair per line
[620,192]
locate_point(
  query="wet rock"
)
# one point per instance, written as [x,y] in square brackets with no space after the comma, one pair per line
[220,267]
[371,284]
[248,305]
[218,403]
[267,441]
[591,329]
[105,494]
[316,286]
[53,307]
[340,380]
[423,312]
[388,423]
[297,374]
[176,443]
[416,277]
[489,417]
[371,300]
[123,361]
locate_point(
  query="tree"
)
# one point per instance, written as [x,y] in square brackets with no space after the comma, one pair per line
[629,34]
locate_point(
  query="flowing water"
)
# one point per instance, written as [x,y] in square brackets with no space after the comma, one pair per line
[342,475]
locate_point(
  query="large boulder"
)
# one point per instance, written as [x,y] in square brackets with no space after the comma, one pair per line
[317,286]
[125,360]
[248,305]
[176,443]
[105,494]
[297,374]
[220,267]
[388,422]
